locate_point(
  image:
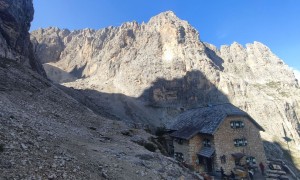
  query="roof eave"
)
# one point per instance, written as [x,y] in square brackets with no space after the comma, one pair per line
[185,138]
[246,115]
[256,123]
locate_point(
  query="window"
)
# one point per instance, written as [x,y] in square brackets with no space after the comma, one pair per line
[179,141]
[200,160]
[250,160]
[206,143]
[237,162]
[240,142]
[223,159]
[178,156]
[237,124]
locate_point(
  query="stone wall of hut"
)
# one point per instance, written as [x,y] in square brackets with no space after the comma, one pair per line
[224,143]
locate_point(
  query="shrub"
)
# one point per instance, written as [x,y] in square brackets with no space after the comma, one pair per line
[160,131]
[150,147]
[93,128]
[273,84]
[148,130]
[127,133]
[1,147]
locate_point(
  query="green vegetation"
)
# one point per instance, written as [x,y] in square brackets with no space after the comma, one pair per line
[150,147]
[148,130]
[258,86]
[273,84]
[160,143]
[160,131]
[284,94]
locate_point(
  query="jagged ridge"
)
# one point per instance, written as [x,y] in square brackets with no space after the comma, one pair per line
[46,134]
[131,60]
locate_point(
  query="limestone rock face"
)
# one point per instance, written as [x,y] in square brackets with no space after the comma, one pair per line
[50,43]
[46,134]
[15,18]
[158,69]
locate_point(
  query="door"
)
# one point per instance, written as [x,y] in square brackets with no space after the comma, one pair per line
[209,164]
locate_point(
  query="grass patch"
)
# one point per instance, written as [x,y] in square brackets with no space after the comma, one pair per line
[284,94]
[258,86]
[273,84]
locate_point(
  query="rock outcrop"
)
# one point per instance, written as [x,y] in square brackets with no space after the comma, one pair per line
[46,134]
[158,69]
[15,19]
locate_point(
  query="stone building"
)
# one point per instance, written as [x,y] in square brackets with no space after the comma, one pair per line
[217,136]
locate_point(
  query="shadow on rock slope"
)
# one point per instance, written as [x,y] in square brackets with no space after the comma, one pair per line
[161,103]
[278,153]
[158,105]
[46,134]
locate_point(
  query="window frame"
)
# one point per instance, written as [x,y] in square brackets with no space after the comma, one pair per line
[179,141]
[179,156]
[223,159]
[251,159]
[236,124]
[206,142]
[240,142]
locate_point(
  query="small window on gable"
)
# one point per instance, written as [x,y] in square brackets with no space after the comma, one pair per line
[178,156]
[240,142]
[206,143]
[179,141]
[237,124]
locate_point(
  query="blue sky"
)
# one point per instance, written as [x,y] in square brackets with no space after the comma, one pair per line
[275,23]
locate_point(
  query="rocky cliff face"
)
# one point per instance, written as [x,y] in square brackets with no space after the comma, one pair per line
[15,18]
[46,134]
[157,69]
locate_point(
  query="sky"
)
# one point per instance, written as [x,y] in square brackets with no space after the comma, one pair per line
[275,23]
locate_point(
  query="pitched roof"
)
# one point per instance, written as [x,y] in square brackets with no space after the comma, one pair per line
[205,120]
[185,132]
[206,152]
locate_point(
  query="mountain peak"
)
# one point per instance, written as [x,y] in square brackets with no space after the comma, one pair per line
[173,26]
[167,16]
